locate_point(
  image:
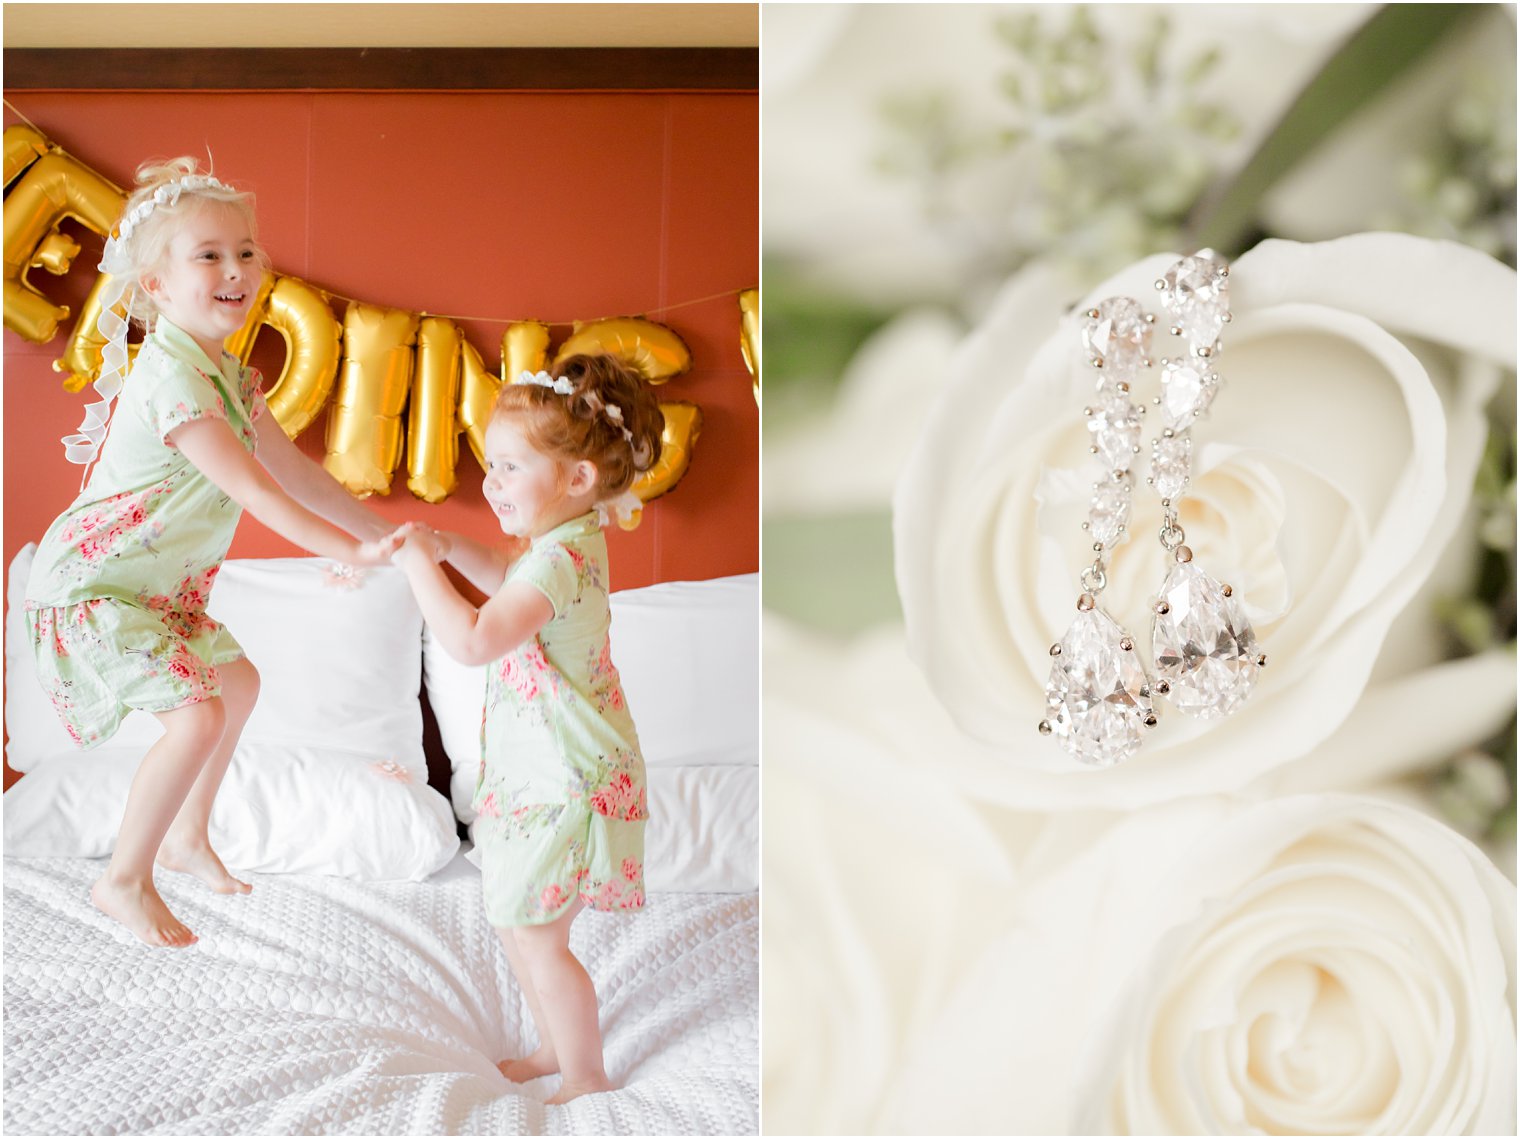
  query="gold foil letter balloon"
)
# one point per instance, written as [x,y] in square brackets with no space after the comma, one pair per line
[50,189]
[656,351]
[364,430]
[302,316]
[523,348]
[23,146]
[683,423]
[432,438]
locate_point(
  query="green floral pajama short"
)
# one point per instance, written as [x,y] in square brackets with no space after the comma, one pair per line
[539,859]
[99,659]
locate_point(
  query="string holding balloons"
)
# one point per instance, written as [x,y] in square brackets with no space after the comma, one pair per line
[375,367]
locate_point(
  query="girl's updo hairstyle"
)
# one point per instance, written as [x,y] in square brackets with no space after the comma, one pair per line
[146,249]
[578,426]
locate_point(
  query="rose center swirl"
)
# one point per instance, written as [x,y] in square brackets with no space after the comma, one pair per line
[1324,999]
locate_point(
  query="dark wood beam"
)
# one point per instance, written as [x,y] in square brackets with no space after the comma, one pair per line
[372,69]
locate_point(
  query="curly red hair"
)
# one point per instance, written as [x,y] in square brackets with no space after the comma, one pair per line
[578,426]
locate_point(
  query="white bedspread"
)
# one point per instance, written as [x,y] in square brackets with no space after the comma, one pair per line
[324,1006]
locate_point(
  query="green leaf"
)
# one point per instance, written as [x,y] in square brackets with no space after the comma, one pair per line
[1383,49]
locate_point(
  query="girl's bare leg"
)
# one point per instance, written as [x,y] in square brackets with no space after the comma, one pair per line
[125,891]
[187,845]
[542,1060]
[569,1005]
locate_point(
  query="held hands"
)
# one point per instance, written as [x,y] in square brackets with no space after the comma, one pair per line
[418,540]
[378,551]
[417,537]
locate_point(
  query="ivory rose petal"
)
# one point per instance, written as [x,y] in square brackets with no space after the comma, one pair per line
[1318,964]
[879,889]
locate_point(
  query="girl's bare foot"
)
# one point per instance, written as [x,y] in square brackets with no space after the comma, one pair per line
[530,1067]
[137,906]
[199,860]
[568,1091]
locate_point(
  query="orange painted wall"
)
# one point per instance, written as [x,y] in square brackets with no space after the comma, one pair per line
[554,206]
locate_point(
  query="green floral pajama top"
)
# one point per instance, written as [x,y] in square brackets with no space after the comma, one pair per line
[560,797]
[116,600]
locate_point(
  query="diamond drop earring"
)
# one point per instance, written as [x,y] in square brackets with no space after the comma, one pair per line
[1098,696]
[1203,648]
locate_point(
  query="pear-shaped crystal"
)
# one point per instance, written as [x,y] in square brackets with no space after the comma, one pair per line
[1187,389]
[1117,337]
[1196,292]
[1203,646]
[1115,427]
[1110,512]
[1171,465]
[1098,706]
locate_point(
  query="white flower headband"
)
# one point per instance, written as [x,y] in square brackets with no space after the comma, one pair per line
[165,195]
[613,412]
[84,446]
[545,380]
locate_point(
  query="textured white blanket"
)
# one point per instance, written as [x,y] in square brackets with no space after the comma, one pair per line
[324,1006]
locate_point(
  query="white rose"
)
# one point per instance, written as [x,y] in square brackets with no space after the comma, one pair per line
[1310,965]
[1328,481]
[875,900]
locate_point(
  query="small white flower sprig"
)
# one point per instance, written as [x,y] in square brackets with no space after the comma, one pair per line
[564,387]
[544,380]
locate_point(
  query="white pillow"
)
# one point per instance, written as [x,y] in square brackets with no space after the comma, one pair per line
[336,650]
[689,656]
[688,653]
[457,694]
[281,809]
[339,658]
[703,834]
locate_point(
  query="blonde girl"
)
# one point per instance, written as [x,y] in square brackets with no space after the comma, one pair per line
[116,600]
[560,796]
